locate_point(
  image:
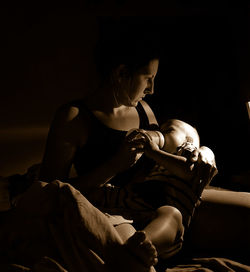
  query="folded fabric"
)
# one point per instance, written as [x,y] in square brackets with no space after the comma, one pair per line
[210,264]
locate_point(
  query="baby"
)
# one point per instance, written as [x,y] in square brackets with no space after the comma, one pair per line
[176,180]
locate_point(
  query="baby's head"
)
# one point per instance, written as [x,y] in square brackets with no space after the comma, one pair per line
[177,133]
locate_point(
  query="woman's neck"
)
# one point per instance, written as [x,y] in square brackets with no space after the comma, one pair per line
[104,106]
[103,100]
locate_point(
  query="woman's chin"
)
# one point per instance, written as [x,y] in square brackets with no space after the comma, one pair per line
[135,102]
[132,103]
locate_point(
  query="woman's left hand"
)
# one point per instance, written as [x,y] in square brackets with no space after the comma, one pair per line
[206,163]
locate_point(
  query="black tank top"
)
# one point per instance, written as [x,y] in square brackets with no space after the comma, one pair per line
[103,142]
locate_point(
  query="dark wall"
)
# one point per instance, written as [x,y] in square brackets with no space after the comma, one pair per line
[203,76]
[46,60]
[203,79]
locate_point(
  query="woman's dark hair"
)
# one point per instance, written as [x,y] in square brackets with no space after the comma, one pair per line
[130,41]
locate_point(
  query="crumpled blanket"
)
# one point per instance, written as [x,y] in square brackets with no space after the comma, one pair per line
[53,228]
[211,264]
[56,221]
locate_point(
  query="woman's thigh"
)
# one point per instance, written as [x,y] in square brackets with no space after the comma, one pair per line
[221,223]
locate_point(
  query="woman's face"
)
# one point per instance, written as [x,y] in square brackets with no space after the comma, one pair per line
[138,85]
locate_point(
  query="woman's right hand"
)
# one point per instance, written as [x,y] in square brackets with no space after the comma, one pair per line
[129,152]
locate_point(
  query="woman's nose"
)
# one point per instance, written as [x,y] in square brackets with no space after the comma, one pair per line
[150,87]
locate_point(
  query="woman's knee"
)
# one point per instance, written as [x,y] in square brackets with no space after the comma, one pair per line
[175,231]
[173,217]
[170,212]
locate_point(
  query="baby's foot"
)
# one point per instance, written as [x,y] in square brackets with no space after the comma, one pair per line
[142,248]
[137,255]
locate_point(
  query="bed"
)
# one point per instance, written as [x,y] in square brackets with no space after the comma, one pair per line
[51,225]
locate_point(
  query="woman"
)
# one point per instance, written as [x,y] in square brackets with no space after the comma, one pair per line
[91,135]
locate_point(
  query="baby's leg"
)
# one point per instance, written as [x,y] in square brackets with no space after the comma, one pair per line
[166,231]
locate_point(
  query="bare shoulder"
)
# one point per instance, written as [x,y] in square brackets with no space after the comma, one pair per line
[70,112]
[70,122]
[67,112]
[150,113]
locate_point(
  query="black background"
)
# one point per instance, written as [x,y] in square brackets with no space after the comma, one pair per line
[47,59]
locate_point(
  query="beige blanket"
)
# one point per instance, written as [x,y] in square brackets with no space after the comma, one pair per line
[54,228]
[56,221]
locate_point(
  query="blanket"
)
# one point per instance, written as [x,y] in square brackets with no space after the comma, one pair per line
[53,227]
[55,221]
[211,264]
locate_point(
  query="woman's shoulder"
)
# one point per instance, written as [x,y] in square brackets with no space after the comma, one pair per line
[69,118]
[69,123]
[72,110]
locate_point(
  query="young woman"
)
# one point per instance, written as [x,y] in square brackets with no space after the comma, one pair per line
[91,135]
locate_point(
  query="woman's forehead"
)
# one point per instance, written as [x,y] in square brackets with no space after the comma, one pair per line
[151,68]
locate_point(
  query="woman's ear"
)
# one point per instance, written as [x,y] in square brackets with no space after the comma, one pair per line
[122,72]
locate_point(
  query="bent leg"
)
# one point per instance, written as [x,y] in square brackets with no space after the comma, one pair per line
[221,224]
[64,225]
[166,231]
[96,231]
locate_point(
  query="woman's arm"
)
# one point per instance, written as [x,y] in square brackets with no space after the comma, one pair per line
[61,144]
[101,175]
[177,165]
[69,131]
[204,167]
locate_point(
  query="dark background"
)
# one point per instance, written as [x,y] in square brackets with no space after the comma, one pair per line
[203,78]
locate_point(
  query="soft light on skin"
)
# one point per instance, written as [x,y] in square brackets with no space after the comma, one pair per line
[175,133]
[140,84]
[248,108]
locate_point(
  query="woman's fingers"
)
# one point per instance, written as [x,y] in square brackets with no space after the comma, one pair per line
[138,144]
[207,168]
[137,139]
[137,134]
[194,155]
[134,135]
